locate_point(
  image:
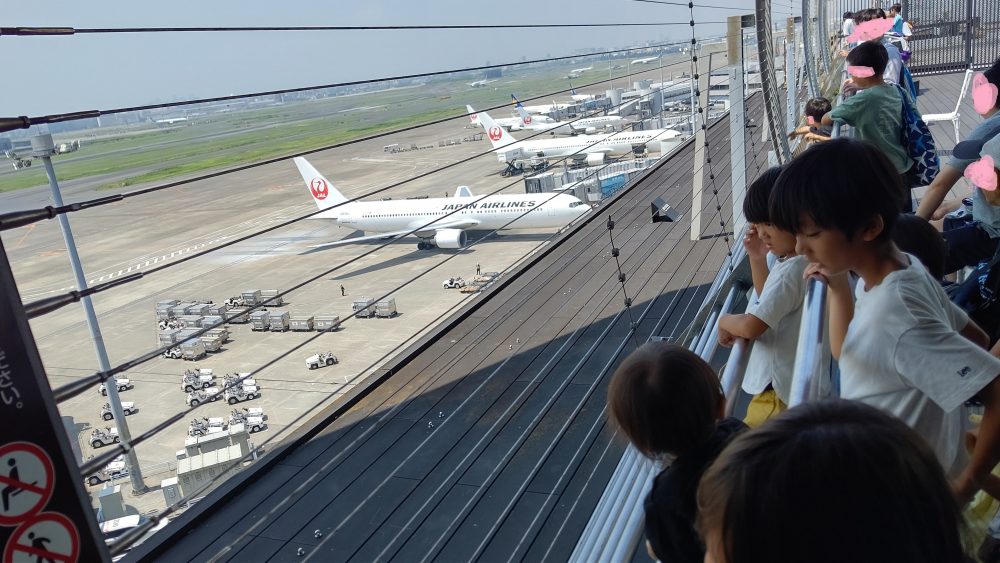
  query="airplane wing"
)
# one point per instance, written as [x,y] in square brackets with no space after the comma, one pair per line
[458,223]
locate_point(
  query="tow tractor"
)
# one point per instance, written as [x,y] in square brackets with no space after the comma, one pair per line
[127,406]
[240,394]
[114,470]
[252,419]
[197,379]
[123,384]
[321,359]
[200,396]
[240,380]
[100,438]
[453,283]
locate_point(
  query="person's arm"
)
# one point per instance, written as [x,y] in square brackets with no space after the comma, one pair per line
[987,449]
[799,131]
[757,253]
[937,191]
[976,335]
[827,119]
[740,326]
[839,304]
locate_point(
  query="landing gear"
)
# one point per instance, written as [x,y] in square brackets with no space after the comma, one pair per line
[424,245]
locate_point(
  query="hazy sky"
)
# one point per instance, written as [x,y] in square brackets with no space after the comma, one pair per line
[60,74]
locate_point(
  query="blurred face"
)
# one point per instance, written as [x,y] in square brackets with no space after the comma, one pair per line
[829,248]
[781,243]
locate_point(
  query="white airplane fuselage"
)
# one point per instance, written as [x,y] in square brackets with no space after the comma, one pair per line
[614,144]
[524,211]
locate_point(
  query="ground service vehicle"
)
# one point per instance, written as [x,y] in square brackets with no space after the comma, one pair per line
[123,384]
[127,406]
[202,396]
[241,394]
[197,379]
[321,359]
[100,438]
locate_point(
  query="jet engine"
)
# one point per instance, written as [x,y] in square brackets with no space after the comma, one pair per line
[450,238]
[595,158]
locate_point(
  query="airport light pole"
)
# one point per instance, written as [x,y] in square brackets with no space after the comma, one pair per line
[42,147]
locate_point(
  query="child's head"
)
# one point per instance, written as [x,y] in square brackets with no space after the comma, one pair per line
[915,235]
[872,55]
[665,399]
[841,198]
[837,481]
[816,108]
[755,209]
[848,15]
[992,75]
[895,9]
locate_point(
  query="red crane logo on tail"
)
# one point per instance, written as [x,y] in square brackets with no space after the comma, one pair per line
[496,133]
[527,120]
[319,188]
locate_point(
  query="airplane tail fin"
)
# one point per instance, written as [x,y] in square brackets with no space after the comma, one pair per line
[499,137]
[472,115]
[521,112]
[321,189]
[463,191]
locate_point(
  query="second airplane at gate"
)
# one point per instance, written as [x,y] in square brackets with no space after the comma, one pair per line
[437,222]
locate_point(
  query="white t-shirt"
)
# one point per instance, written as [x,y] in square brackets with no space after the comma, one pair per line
[772,359]
[894,68]
[904,355]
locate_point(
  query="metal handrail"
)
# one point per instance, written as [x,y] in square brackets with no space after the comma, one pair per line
[809,354]
[735,371]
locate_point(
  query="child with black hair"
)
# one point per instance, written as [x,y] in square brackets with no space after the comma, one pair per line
[840,482]
[876,111]
[902,346]
[772,319]
[669,403]
[814,130]
[893,72]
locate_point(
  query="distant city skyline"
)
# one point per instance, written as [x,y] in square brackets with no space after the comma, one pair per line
[82,72]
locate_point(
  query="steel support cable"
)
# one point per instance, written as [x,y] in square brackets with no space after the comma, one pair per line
[77,387]
[390,412]
[22,218]
[62,31]
[50,304]
[621,279]
[515,402]
[24,122]
[139,532]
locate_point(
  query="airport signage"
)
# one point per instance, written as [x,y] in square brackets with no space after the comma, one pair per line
[45,513]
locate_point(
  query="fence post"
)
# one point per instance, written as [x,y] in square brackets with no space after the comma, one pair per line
[765,50]
[737,120]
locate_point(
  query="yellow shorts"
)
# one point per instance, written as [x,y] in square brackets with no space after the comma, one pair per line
[762,407]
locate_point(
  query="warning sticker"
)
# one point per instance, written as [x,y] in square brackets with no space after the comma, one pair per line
[48,537]
[26,481]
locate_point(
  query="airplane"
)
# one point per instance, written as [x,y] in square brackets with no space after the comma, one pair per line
[172,120]
[582,70]
[508,123]
[582,125]
[540,110]
[392,219]
[645,60]
[592,148]
[479,83]
[580,97]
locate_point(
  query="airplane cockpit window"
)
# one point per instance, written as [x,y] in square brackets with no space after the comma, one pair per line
[575,203]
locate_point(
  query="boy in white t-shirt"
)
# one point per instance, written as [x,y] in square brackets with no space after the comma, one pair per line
[903,347]
[772,319]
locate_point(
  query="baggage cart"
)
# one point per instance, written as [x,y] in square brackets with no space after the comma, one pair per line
[238,316]
[166,337]
[193,350]
[191,321]
[212,343]
[200,309]
[218,310]
[301,323]
[279,321]
[386,308]
[260,320]
[251,297]
[326,322]
[222,333]
[365,307]
[266,294]
[212,320]
[180,309]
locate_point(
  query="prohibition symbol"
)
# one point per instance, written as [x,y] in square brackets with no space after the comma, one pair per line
[49,537]
[318,188]
[26,481]
[527,120]
[495,133]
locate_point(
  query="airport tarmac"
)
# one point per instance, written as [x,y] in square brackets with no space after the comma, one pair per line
[142,233]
